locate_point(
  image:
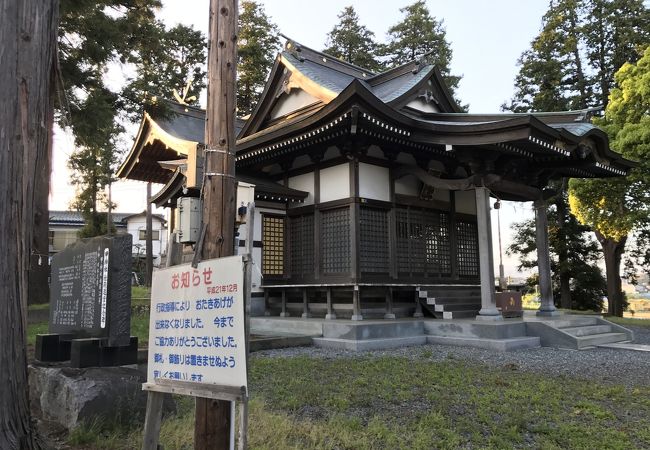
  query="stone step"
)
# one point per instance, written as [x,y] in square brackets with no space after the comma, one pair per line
[627,346]
[452,300]
[504,345]
[450,294]
[588,330]
[460,314]
[598,339]
[572,322]
[458,307]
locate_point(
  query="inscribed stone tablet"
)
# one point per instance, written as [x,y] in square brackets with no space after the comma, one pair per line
[90,289]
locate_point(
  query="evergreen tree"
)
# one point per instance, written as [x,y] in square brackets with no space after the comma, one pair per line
[258,45]
[551,75]
[416,35]
[353,42]
[615,32]
[91,107]
[573,261]
[170,60]
[617,207]
[554,75]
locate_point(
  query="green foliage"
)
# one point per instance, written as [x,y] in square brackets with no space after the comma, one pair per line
[418,34]
[258,43]
[551,75]
[353,42]
[168,61]
[573,254]
[91,106]
[572,61]
[615,32]
[617,207]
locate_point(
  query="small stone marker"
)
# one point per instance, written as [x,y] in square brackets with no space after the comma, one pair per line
[90,304]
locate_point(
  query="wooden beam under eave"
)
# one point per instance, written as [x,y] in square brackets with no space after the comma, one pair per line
[462,137]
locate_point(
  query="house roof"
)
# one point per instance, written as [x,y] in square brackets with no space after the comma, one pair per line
[75,218]
[172,135]
[408,108]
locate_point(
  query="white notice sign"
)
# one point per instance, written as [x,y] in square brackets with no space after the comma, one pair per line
[196,331]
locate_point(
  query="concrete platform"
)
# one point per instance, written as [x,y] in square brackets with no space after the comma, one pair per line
[529,331]
[627,346]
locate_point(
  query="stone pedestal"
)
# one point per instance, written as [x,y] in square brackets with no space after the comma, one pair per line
[70,396]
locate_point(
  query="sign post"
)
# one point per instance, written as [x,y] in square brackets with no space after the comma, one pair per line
[197,327]
[197,336]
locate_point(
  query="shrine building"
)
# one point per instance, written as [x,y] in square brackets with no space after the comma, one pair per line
[373,191]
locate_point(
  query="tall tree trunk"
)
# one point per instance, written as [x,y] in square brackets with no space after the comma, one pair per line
[27,51]
[613,250]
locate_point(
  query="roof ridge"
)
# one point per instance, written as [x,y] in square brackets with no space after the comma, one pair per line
[300,51]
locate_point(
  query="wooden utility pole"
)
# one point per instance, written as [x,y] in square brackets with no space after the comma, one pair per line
[213,417]
[149,240]
[28,32]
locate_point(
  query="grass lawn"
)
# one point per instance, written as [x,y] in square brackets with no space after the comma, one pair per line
[394,402]
[626,322]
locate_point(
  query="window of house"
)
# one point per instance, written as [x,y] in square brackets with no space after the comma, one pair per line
[155,235]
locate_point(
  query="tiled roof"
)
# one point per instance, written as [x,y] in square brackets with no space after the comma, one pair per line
[188,122]
[75,218]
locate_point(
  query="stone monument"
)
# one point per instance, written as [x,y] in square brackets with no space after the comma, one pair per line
[90,305]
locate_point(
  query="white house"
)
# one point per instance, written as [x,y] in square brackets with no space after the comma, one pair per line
[64,227]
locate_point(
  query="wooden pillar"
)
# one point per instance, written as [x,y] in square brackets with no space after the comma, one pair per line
[213,418]
[316,159]
[389,303]
[331,315]
[489,309]
[453,235]
[418,306]
[546,307]
[356,304]
[267,309]
[148,240]
[305,304]
[284,312]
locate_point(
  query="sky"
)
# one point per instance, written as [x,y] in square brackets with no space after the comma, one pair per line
[486,37]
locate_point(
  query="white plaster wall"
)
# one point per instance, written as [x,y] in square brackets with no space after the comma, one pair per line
[335,183]
[407,185]
[374,182]
[304,182]
[466,202]
[423,106]
[158,246]
[296,99]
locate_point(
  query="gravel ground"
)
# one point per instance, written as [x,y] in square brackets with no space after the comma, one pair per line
[631,368]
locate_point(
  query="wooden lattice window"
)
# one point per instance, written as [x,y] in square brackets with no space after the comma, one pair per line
[422,241]
[302,245]
[374,256]
[272,245]
[467,252]
[335,232]
[436,242]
